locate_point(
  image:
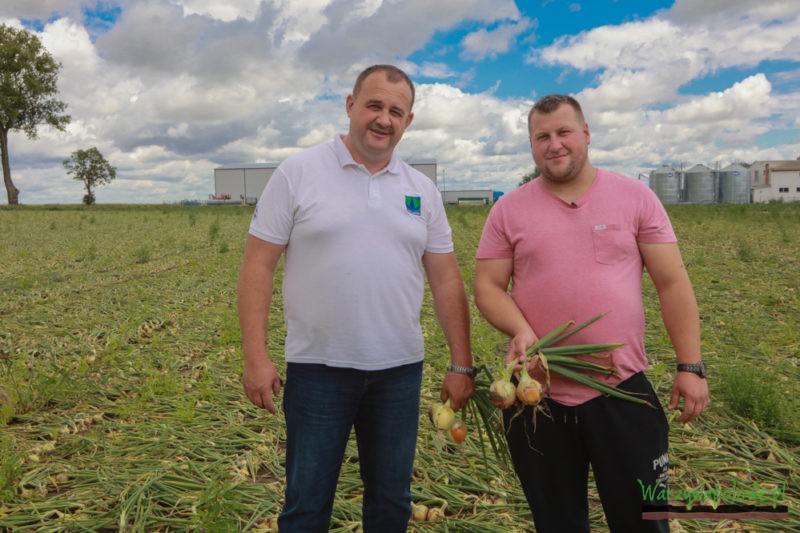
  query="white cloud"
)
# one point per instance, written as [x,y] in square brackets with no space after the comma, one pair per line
[70,43]
[637,107]
[37,9]
[747,99]
[475,138]
[434,70]
[173,88]
[399,27]
[684,51]
[225,11]
[483,43]
[732,12]
[686,131]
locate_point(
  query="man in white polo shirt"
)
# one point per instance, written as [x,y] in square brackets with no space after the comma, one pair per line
[360,229]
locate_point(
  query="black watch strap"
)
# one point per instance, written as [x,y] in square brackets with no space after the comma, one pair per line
[698,368]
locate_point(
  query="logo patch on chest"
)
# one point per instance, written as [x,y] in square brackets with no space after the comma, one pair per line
[413,205]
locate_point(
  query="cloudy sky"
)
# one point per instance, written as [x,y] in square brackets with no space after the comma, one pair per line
[168,90]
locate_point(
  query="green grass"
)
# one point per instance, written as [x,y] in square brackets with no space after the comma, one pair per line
[119,352]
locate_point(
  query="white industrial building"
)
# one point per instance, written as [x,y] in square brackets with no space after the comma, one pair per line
[775,181]
[243,184]
[474,196]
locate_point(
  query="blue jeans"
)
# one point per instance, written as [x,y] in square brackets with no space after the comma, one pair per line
[321,405]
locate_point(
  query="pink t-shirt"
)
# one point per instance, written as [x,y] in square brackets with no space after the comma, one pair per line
[571,262]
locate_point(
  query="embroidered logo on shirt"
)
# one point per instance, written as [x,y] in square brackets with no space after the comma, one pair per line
[413,204]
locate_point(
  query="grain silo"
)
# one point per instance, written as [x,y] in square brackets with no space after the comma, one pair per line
[666,182]
[734,184]
[700,185]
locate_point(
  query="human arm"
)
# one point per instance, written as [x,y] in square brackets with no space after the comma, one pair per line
[259,376]
[682,321]
[452,311]
[492,277]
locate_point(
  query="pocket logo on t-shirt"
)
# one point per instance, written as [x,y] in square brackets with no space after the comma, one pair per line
[413,205]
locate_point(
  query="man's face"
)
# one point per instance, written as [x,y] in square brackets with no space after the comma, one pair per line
[379,115]
[559,143]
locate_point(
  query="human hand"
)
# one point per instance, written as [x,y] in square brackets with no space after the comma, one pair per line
[518,348]
[261,382]
[694,391]
[457,388]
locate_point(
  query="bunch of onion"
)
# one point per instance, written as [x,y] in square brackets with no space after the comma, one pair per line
[481,409]
[444,419]
[562,360]
[503,393]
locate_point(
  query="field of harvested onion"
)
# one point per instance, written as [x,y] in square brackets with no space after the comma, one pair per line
[121,407]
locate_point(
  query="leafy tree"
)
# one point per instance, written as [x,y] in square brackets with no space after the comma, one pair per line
[90,167]
[530,176]
[28,75]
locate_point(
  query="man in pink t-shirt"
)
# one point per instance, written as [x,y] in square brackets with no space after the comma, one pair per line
[571,244]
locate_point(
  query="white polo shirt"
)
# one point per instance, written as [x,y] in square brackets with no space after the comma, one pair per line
[353,278]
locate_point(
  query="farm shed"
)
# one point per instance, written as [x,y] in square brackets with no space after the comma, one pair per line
[474,196]
[241,184]
[775,181]
[426,167]
[245,183]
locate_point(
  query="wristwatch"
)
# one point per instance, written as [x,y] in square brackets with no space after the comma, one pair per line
[469,371]
[695,368]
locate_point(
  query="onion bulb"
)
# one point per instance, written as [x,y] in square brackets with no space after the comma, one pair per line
[501,391]
[529,390]
[458,431]
[435,514]
[442,415]
[419,512]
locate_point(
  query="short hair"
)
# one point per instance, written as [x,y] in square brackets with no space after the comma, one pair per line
[548,104]
[393,74]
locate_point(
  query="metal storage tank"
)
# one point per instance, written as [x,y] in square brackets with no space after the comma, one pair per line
[700,185]
[665,182]
[734,184]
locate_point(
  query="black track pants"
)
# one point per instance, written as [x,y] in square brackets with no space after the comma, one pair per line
[625,443]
